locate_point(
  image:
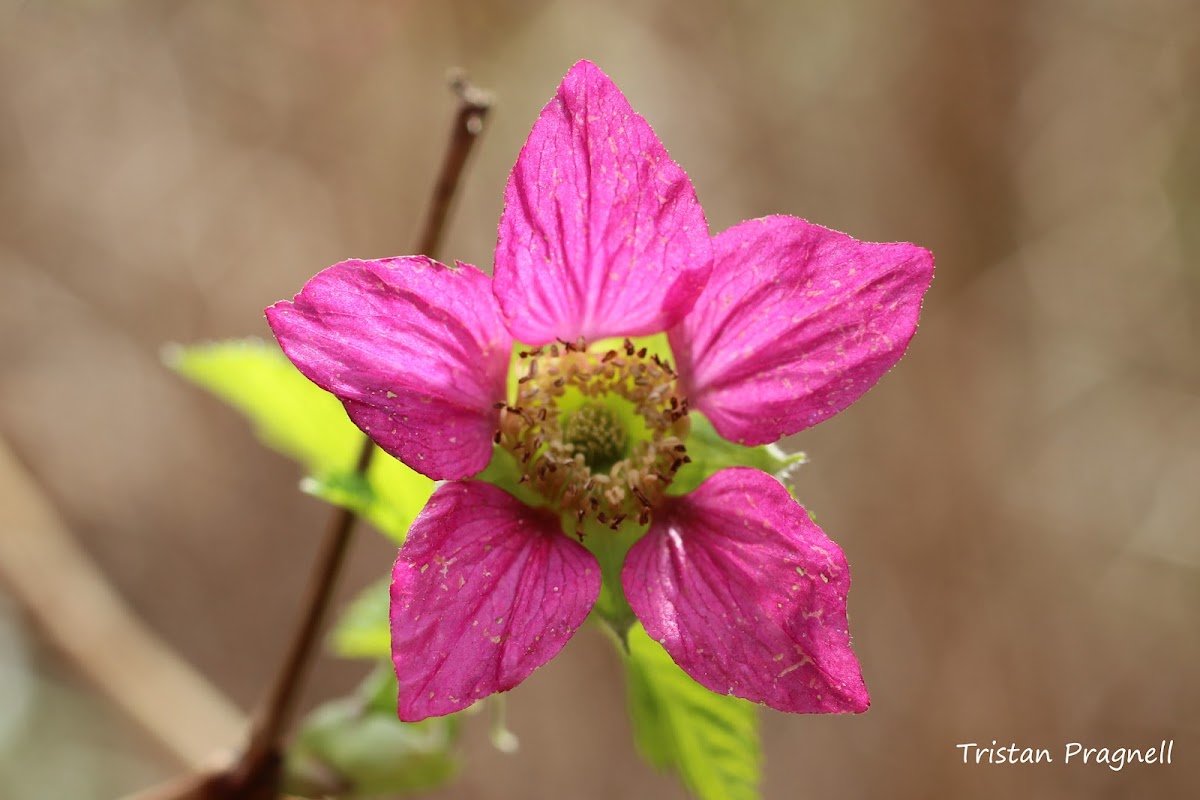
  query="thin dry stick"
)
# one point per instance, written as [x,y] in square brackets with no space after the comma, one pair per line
[260,764]
[257,774]
[262,752]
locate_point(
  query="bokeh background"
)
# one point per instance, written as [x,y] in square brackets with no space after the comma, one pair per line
[1020,500]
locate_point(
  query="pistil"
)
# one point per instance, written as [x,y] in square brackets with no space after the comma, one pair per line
[595,433]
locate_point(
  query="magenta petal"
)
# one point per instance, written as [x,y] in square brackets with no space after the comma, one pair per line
[415,350]
[748,595]
[485,591]
[796,323]
[601,233]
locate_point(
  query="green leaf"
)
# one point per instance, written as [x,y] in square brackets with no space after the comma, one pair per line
[290,413]
[294,416]
[710,740]
[364,630]
[389,497]
[356,746]
[710,453]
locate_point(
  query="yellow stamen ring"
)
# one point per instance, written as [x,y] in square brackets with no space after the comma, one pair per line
[584,464]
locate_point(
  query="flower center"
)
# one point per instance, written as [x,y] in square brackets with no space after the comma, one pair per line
[598,433]
[595,433]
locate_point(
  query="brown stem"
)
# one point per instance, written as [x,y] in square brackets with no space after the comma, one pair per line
[473,106]
[257,773]
[262,752]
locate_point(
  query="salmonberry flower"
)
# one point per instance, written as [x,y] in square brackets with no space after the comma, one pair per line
[774,325]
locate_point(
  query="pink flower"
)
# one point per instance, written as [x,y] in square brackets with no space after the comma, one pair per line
[776,324]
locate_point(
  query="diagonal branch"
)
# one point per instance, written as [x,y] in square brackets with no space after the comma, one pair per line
[256,774]
[258,770]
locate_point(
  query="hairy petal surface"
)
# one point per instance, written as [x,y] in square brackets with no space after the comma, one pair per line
[601,233]
[485,591]
[415,350]
[796,323]
[748,595]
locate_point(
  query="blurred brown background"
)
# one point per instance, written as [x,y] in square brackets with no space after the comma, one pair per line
[1019,500]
